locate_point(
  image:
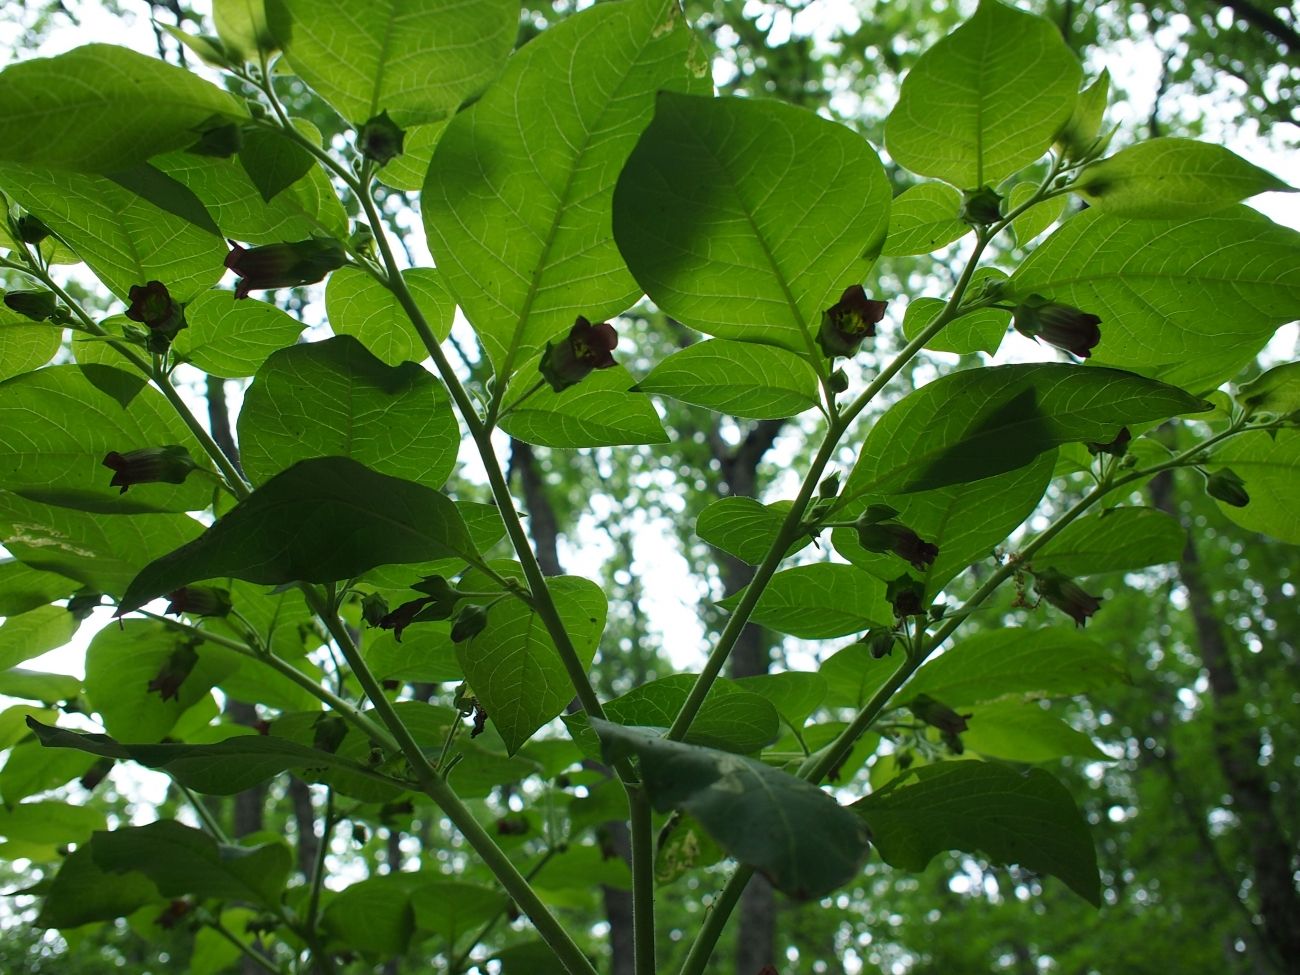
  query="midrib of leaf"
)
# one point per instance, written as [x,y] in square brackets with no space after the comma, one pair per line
[383,60]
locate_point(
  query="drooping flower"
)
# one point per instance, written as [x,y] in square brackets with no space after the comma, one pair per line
[569,360]
[906,595]
[1116,448]
[199,601]
[1066,595]
[152,306]
[380,140]
[879,532]
[938,715]
[850,321]
[169,464]
[284,265]
[1063,326]
[178,666]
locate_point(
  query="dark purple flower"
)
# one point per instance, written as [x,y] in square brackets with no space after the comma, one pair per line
[586,347]
[169,465]
[1066,595]
[178,665]
[152,306]
[878,532]
[199,601]
[849,321]
[283,265]
[1063,326]
[906,595]
[938,715]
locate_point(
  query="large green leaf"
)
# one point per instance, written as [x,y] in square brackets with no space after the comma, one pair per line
[986,100]
[35,685]
[852,675]
[23,588]
[362,307]
[451,908]
[103,552]
[1008,416]
[49,822]
[335,399]
[966,521]
[123,237]
[518,215]
[58,424]
[230,338]
[82,893]
[102,108]
[795,694]
[181,860]
[1175,178]
[415,59]
[820,600]
[739,378]
[1187,300]
[33,633]
[513,666]
[745,528]
[792,832]
[25,345]
[924,218]
[766,233]
[1014,664]
[600,411]
[322,520]
[1270,467]
[977,807]
[1116,540]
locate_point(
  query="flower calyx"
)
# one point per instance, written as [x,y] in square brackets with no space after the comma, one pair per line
[39,306]
[1066,595]
[906,595]
[1116,448]
[981,207]
[380,139]
[1227,486]
[879,532]
[153,307]
[879,641]
[1064,326]
[470,622]
[288,265]
[31,229]
[568,361]
[437,604]
[169,464]
[849,322]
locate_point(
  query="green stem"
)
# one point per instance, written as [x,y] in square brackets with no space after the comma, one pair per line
[459,962]
[643,882]
[318,868]
[209,821]
[246,949]
[715,920]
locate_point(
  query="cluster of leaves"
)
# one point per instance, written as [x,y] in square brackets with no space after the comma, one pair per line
[324,572]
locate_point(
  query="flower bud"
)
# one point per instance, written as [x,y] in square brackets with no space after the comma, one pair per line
[849,321]
[1224,485]
[470,623]
[1063,326]
[218,138]
[1116,448]
[879,641]
[374,607]
[877,532]
[568,361]
[199,601]
[178,665]
[839,381]
[981,207]
[284,265]
[938,715]
[151,465]
[380,140]
[906,595]
[830,486]
[31,230]
[39,306]
[1066,595]
[152,306]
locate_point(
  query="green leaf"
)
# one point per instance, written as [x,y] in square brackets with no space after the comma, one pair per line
[820,600]
[273,161]
[922,219]
[408,171]
[1016,665]
[33,633]
[518,217]
[181,860]
[976,807]
[600,411]
[243,27]
[1116,540]
[82,893]
[1025,733]
[362,307]
[58,424]
[986,100]
[335,399]
[49,823]
[34,685]
[123,237]
[745,528]
[513,666]
[322,520]
[373,916]
[966,521]
[426,653]
[13,723]
[792,832]
[755,381]
[121,661]
[976,331]
[1169,177]
[231,338]
[23,588]
[1276,391]
[151,184]
[418,60]
[1009,415]
[766,233]
[24,345]
[1037,218]
[30,771]
[450,908]
[852,675]
[1079,136]
[1189,300]
[102,552]
[102,108]
[1270,466]
[793,693]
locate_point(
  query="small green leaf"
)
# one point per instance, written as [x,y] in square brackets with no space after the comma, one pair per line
[426,653]
[760,382]
[1038,217]
[1080,133]
[792,832]
[1025,733]
[1117,540]
[1276,391]
[322,520]
[976,807]
[793,693]
[181,860]
[362,307]
[35,685]
[102,108]
[1014,664]
[52,823]
[745,528]
[23,588]
[450,908]
[820,600]
[1270,466]
[335,399]
[976,331]
[273,162]
[33,633]
[766,233]
[922,219]
[601,410]
[30,771]
[25,346]
[986,100]
[244,27]
[1171,177]
[231,338]
[852,675]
